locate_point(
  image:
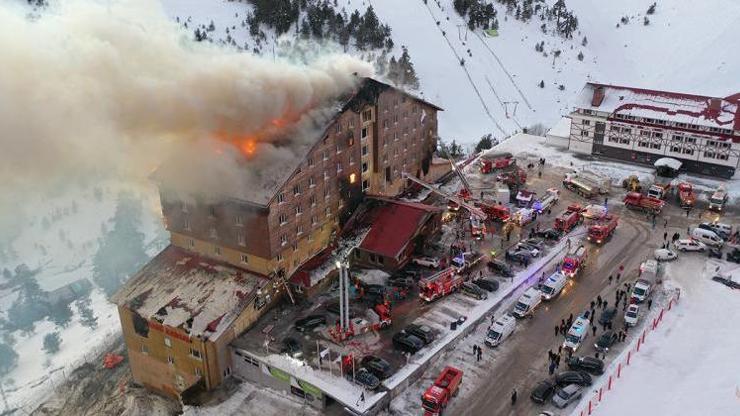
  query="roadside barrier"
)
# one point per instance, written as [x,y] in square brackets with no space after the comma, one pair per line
[588,407]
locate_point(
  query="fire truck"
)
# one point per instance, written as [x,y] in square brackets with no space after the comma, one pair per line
[477,228]
[574,261]
[436,397]
[603,229]
[551,198]
[581,186]
[440,284]
[494,212]
[513,178]
[569,219]
[378,317]
[640,202]
[492,162]
[659,190]
[524,198]
[686,196]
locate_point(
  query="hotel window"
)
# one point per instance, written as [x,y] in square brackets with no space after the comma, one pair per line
[212,211]
[681,125]
[239,220]
[279,257]
[677,138]
[351,123]
[314,220]
[338,127]
[144,349]
[196,354]
[283,240]
[675,149]
[170,360]
[364,150]
[282,219]
[326,193]
[395,119]
[310,161]
[385,124]
[217,250]
[187,224]
[191,242]
[299,230]
[326,174]
[296,189]
[311,181]
[352,177]
[364,167]
[350,139]
[281,198]
[339,166]
[212,232]
[624,141]
[724,145]
[325,155]
[365,185]
[327,211]
[722,156]
[584,133]
[298,209]
[657,135]
[642,144]
[351,160]
[312,200]
[655,145]
[644,133]
[395,136]
[198,372]
[613,139]
[294,247]
[244,258]
[168,342]
[586,122]
[367,115]
[242,239]
[363,133]
[185,208]
[709,155]
[338,149]
[688,151]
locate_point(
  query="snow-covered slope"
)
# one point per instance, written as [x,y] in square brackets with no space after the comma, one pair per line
[687,46]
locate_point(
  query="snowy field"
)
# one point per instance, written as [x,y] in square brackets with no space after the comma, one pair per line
[689,365]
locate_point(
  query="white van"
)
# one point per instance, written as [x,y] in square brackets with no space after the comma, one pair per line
[641,290]
[500,330]
[527,303]
[577,333]
[649,270]
[553,285]
[707,237]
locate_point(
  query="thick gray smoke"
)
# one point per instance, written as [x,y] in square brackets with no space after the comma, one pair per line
[90,87]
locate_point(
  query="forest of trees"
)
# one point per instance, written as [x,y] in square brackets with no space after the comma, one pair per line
[478,13]
[566,23]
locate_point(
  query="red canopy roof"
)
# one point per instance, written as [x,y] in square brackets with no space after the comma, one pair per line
[395,223]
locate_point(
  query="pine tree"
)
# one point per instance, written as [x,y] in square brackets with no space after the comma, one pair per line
[580,56]
[584,42]
[52,342]
[542,84]
[485,142]
[408,74]
[651,9]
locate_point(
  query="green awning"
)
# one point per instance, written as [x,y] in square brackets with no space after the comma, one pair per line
[491,32]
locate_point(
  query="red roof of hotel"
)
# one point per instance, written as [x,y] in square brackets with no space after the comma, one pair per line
[700,110]
[394,224]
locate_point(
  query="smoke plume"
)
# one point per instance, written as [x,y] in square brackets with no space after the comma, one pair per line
[90,88]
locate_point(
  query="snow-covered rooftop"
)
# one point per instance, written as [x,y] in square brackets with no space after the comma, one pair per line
[561,128]
[182,290]
[663,105]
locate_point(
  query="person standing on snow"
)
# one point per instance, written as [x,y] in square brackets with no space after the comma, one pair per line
[513,397]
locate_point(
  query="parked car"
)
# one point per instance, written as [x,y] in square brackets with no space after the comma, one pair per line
[407,342]
[500,267]
[733,256]
[689,245]
[366,379]
[542,391]
[589,364]
[292,347]
[310,322]
[722,230]
[565,378]
[549,234]
[518,256]
[487,284]
[714,252]
[531,249]
[664,254]
[423,332]
[567,395]
[536,242]
[727,281]
[377,366]
[404,282]
[605,341]
[474,291]
[607,316]
[631,315]
[426,261]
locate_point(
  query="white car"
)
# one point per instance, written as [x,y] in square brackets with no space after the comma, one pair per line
[594,211]
[426,262]
[689,245]
[631,315]
[663,254]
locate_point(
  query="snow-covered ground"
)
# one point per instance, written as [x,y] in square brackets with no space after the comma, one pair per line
[689,365]
[59,236]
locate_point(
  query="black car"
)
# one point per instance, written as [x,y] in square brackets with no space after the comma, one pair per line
[377,366]
[407,342]
[518,256]
[607,316]
[292,347]
[714,252]
[549,234]
[605,341]
[423,332]
[581,378]
[535,242]
[589,364]
[500,267]
[487,284]
[366,379]
[310,322]
[727,281]
[542,391]
[733,256]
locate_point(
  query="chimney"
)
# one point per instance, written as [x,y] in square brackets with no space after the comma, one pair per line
[715,104]
[598,96]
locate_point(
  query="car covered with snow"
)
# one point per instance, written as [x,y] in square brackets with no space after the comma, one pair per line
[407,342]
[529,247]
[426,261]
[594,211]
[474,291]
[631,315]
[543,391]
[567,395]
[365,378]
[689,245]
[549,234]
[664,254]
[501,268]
[423,332]
[379,367]
[589,364]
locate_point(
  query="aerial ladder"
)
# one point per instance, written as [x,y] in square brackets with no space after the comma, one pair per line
[474,211]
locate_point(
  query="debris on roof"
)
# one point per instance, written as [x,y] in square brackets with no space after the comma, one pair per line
[182,290]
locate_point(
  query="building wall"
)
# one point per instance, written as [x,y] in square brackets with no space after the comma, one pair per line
[635,140]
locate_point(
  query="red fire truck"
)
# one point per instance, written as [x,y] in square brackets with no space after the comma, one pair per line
[640,202]
[569,218]
[440,284]
[574,261]
[492,162]
[435,399]
[603,229]
[495,212]
[686,196]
